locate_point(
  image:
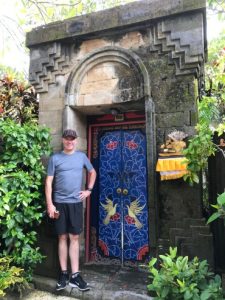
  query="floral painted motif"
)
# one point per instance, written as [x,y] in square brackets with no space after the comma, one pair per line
[131,145]
[112,145]
[123,213]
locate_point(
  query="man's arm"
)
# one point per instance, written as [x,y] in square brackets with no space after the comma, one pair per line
[91,181]
[92,178]
[48,195]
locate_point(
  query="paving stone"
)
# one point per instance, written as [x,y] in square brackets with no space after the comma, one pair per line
[106,282]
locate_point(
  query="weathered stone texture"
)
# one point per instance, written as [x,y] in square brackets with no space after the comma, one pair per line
[133,14]
[78,121]
[147,55]
[56,141]
[107,83]
[170,120]
[54,100]
[52,119]
[174,208]
[131,40]
[90,45]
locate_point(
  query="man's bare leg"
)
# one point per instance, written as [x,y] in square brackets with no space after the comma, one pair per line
[63,254]
[74,252]
[76,280]
[63,251]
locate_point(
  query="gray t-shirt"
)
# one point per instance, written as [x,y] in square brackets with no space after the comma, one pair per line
[67,170]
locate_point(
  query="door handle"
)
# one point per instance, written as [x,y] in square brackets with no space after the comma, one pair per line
[119,191]
[125,191]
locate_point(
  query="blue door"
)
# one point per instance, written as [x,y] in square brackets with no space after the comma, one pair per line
[123,208]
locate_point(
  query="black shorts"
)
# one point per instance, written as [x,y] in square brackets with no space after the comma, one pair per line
[70,219]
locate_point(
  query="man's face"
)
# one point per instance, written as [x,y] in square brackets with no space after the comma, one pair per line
[69,143]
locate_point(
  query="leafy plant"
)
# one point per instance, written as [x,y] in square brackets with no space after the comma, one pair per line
[211,109]
[21,184]
[9,275]
[17,100]
[220,207]
[201,146]
[217,7]
[180,279]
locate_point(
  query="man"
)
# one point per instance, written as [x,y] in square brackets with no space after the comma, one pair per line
[65,197]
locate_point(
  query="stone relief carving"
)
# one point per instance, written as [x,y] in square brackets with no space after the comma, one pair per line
[175,38]
[47,62]
[171,37]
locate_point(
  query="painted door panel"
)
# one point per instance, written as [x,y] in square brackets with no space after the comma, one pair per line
[123,213]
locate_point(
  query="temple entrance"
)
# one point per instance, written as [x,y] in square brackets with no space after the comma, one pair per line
[119,205]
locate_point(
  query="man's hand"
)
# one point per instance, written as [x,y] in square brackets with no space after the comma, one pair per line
[84,194]
[51,210]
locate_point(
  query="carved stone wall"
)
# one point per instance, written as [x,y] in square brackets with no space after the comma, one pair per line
[147,55]
[174,42]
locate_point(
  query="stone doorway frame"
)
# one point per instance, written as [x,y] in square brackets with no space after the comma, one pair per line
[71,112]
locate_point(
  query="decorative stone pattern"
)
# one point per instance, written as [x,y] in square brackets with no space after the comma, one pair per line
[138,12]
[174,37]
[144,56]
[46,63]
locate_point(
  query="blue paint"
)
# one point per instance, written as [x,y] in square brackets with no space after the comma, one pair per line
[122,188]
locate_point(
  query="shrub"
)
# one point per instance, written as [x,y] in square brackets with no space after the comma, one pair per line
[9,275]
[220,209]
[18,100]
[21,184]
[181,279]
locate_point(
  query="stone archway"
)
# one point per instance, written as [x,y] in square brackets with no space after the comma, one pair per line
[125,85]
[122,81]
[111,77]
[112,55]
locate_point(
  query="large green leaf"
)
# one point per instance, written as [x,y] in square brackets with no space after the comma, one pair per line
[221,199]
[213,217]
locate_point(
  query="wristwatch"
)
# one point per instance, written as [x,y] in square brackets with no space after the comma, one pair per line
[89,189]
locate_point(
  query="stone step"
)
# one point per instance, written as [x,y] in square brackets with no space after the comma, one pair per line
[164,242]
[191,221]
[179,240]
[186,222]
[196,230]
[188,249]
[203,245]
[163,246]
[179,224]
[177,232]
[191,232]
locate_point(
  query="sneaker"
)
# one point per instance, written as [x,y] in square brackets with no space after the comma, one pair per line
[62,282]
[77,281]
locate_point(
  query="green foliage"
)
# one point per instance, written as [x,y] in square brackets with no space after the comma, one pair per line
[211,108]
[17,100]
[217,7]
[220,208]
[9,275]
[201,146]
[21,183]
[215,70]
[11,72]
[180,279]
